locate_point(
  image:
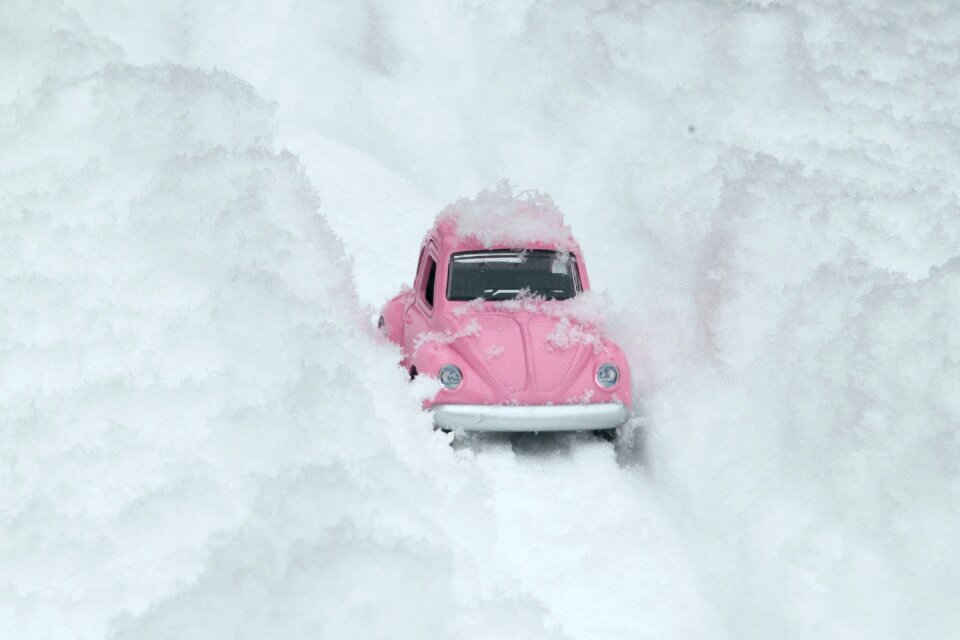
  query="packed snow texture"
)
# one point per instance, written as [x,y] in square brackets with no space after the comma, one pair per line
[202,203]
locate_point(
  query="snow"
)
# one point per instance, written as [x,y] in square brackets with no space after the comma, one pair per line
[566,335]
[493,352]
[497,217]
[471,328]
[587,308]
[203,203]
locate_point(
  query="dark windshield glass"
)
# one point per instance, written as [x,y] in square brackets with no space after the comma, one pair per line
[501,275]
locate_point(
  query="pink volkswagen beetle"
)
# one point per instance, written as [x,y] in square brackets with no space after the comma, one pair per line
[499,313]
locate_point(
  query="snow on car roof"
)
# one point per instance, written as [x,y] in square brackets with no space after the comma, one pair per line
[498,218]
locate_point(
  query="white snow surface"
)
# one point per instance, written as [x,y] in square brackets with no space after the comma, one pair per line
[202,203]
[500,217]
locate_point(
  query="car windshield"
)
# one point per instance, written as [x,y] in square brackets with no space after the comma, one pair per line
[503,275]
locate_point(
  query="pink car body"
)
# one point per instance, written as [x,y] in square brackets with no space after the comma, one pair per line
[525,363]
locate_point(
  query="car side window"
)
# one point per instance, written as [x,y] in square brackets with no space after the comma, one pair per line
[419,263]
[431,281]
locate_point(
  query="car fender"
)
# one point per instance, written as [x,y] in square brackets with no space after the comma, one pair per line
[391,317]
[431,356]
[613,354]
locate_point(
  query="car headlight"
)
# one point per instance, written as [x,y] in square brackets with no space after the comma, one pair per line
[608,375]
[450,376]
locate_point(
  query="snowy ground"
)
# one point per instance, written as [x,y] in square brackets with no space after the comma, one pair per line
[202,203]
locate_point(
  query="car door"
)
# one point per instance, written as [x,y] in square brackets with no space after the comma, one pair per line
[419,315]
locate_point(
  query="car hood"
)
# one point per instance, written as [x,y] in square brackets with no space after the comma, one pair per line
[528,358]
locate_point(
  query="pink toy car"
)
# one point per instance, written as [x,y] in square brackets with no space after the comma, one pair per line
[498,314]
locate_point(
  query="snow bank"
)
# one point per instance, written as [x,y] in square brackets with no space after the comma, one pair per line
[179,334]
[813,426]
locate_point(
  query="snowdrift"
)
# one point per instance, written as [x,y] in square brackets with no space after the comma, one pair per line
[201,436]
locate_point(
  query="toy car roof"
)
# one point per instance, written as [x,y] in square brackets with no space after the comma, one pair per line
[499,219]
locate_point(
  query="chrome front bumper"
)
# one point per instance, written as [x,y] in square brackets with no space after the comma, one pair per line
[554,417]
